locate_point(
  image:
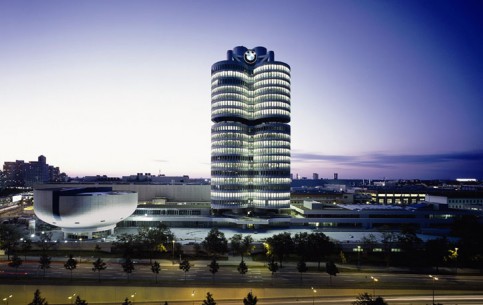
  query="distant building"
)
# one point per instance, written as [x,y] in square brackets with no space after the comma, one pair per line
[464,200]
[20,173]
[315,176]
[422,217]
[299,196]
[188,205]
[394,195]
[162,179]
[250,135]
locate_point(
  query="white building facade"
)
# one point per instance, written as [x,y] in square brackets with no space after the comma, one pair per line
[84,211]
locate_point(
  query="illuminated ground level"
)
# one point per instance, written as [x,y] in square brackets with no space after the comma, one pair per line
[226,296]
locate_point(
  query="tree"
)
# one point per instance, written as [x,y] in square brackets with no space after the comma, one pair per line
[215,243]
[15,262]
[388,240]
[331,270]
[209,299]
[470,244]
[302,268]
[44,262]
[38,300]
[368,243]
[126,244]
[280,246]
[153,239]
[241,245]
[242,267]
[98,266]
[435,251]
[273,266]
[246,245]
[46,243]
[79,301]
[9,238]
[250,299]
[214,266]
[367,299]
[97,249]
[70,264]
[126,302]
[156,268]
[185,266]
[301,244]
[320,246]
[128,267]
[235,243]
[26,246]
[411,246]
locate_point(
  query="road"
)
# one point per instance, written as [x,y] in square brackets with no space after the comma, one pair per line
[258,275]
[228,286]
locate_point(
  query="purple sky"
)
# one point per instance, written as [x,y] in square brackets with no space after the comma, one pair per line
[379,88]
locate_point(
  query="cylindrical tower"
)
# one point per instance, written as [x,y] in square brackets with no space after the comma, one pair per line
[250,152]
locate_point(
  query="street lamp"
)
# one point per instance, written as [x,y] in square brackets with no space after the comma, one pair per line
[193,296]
[374,280]
[71,297]
[7,298]
[434,279]
[313,296]
[359,249]
[132,297]
[456,260]
[173,249]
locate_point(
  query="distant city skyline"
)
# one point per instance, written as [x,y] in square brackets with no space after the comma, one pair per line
[380,89]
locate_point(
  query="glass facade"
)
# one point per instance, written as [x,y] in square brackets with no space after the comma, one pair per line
[250,137]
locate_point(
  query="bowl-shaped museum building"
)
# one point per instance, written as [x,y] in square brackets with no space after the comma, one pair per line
[84,211]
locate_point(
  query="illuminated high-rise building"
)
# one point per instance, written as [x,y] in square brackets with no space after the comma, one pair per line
[250,137]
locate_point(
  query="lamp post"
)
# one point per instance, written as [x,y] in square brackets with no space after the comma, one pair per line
[193,296]
[456,260]
[132,297]
[434,279]
[7,298]
[359,257]
[374,281]
[173,249]
[313,296]
[71,298]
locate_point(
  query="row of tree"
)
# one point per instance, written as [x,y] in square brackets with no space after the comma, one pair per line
[313,247]
[250,299]
[465,249]
[316,247]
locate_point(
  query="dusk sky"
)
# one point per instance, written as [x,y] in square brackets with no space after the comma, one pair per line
[380,89]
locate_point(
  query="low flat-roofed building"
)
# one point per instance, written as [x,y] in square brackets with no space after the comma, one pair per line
[396,195]
[299,196]
[466,200]
[374,216]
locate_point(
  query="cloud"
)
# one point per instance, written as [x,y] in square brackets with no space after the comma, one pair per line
[390,160]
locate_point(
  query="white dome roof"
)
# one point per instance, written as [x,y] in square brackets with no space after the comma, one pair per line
[84,209]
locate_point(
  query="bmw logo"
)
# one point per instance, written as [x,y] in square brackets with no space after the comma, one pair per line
[250,56]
